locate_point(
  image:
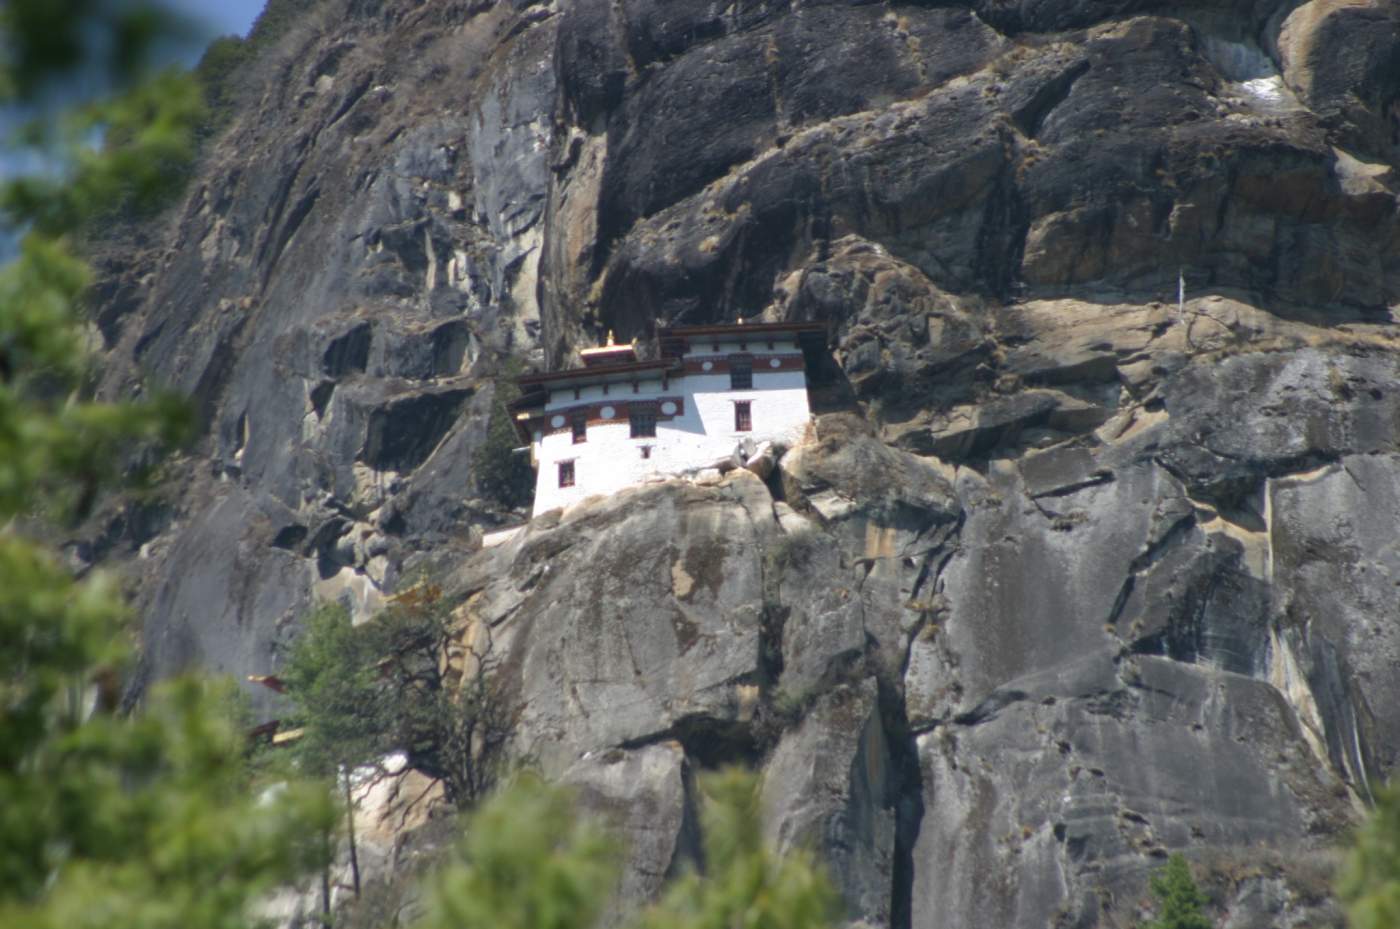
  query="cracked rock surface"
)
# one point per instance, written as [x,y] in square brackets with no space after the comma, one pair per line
[1090,556]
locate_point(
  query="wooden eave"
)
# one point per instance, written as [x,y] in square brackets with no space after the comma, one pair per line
[674,340]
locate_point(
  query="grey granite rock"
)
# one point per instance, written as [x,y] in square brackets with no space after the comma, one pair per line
[1089,557]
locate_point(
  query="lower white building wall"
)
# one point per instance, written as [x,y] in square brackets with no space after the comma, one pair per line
[700,437]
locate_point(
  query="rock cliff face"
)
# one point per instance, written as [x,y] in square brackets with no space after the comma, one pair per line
[1069,576]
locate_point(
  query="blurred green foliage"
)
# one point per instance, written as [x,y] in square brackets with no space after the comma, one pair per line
[1370,879]
[48,42]
[147,819]
[744,883]
[527,862]
[123,155]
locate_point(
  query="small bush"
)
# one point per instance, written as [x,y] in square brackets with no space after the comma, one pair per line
[1179,900]
[217,72]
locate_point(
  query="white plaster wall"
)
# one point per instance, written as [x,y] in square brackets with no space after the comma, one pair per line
[703,435]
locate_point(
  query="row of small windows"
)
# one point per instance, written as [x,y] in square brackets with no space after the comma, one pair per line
[643,418]
[643,422]
[740,375]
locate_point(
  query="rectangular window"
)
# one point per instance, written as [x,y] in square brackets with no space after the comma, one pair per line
[646,451]
[643,419]
[740,372]
[743,416]
[566,474]
[580,423]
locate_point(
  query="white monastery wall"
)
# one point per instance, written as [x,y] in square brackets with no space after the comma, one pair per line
[699,435]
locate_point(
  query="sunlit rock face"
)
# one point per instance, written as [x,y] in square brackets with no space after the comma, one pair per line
[1089,557]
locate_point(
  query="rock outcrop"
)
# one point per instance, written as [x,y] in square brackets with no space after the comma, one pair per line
[1091,557]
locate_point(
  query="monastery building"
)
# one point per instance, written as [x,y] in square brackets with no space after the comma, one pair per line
[714,394]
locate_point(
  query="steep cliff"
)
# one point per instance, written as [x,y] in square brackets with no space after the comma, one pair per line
[1070,574]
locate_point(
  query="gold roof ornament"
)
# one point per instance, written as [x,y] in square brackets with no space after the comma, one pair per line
[611,353]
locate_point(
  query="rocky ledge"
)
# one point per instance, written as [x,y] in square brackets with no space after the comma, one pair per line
[989,696]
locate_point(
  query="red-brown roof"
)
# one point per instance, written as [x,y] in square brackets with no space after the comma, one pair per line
[740,329]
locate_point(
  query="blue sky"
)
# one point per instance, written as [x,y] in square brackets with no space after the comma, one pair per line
[221,17]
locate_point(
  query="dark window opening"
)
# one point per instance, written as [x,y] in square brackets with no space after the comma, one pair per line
[743,416]
[643,419]
[740,372]
[646,451]
[566,474]
[580,429]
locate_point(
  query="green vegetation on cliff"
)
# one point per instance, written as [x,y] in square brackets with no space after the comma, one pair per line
[1178,898]
[400,683]
[501,473]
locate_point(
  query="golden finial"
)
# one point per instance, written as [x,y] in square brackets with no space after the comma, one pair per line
[611,343]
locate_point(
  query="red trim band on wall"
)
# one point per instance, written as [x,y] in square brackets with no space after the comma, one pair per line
[594,414]
[762,364]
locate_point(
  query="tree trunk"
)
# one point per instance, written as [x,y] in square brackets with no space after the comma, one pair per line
[350,829]
[326,879]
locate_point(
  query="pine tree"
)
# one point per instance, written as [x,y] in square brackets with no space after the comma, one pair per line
[1178,898]
[390,685]
[499,472]
[147,820]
